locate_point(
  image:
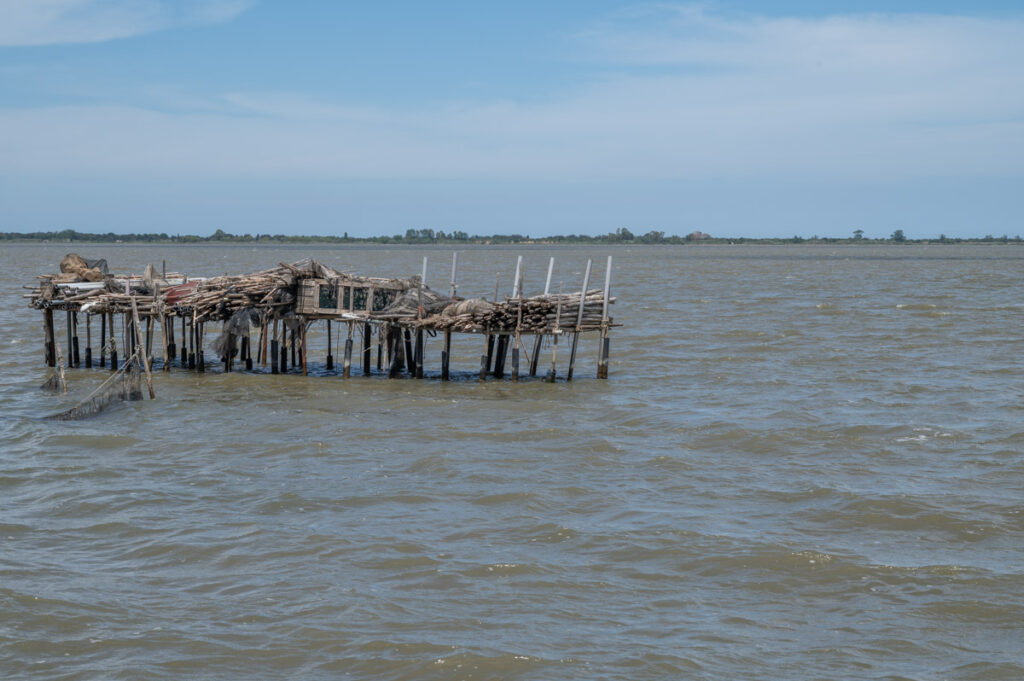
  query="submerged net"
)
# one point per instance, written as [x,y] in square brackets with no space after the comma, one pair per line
[124,385]
[53,384]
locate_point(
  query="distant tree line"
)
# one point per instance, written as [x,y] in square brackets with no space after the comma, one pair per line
[430,236]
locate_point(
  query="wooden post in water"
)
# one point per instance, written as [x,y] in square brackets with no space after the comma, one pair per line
[71,352]
[49,344]
[60,370]
[88,341]
[517,291]
[102,340]
[446,354]
[367,352]
[274,351]
[192,331]
[330,357]
[346,370]
[74,322]
[409,356]
[264,332]
[538,340]
[579,321]
[555,333]
[500,352]
[184,343]
[113,344]
[201,358]
[284,348]
[380,348]
[167,329]
[138,352]
[602,361]
[302,336]
[167,326]
[397,352]
[149,339]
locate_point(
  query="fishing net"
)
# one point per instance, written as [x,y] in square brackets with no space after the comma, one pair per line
[53,384]
[235,326]
[124,385]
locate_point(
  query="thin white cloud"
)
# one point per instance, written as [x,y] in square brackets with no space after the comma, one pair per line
[680,94]
[49,22]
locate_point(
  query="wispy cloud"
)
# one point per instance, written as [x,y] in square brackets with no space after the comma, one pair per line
[48,22]
[675,92]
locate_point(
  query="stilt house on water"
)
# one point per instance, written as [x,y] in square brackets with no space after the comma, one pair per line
[266,316]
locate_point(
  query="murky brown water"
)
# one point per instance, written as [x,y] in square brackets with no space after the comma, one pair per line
[807,464]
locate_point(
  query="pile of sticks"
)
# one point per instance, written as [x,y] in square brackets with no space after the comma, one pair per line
[537,314]
[220,297]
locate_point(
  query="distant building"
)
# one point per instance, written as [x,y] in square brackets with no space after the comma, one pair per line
[697,236]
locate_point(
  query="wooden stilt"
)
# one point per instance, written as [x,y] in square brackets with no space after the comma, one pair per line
[579,321]
[74,339]
[184,343]
[70,345]
[167,326]
[556,332]
[167,330]
[397,353]
[500,353]
[247,345]
[380,348]
[264,332]
[490,351]
[330,357]
[149,340]
[446,355]
[102,340]
[49,344]
[192,332]
[113,344]
[274,351]
[347,369]
[283,359]
[602,361]
[138,351]
[367,355]
[409,356]
[302,336]
[200,355]
[88,342]
[538,339]
[419,353]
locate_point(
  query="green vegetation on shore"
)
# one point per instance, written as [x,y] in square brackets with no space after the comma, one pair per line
[429,236]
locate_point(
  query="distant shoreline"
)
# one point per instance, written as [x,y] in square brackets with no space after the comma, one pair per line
[621,237]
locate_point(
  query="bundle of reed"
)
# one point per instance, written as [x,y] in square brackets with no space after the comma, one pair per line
[537,314]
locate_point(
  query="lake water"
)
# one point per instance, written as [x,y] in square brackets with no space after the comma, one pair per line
[807,464]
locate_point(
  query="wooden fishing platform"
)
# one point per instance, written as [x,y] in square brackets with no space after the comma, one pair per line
[279,306]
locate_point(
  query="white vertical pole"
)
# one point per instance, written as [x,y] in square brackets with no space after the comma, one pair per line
[583,294]
[515,280]
[607,288]
[455,259]
[551,268]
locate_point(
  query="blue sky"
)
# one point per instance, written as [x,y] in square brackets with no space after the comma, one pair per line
[733,118]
